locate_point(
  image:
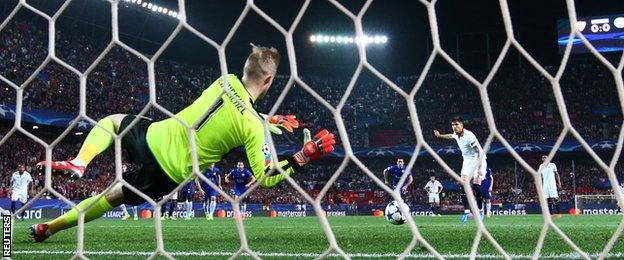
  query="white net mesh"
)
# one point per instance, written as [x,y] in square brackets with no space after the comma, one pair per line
[437,53]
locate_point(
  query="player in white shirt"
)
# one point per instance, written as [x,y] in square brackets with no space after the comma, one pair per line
[550,183]
[21,184]
[434,188]
[474,165]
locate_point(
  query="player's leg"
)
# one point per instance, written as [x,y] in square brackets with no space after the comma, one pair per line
[556,206]
[93,208]
[188,206]
[96,142]
[149,179]
[213,205]
[437,204]
[467,173]
[163,210]
[432,204]
[549,194]
[550,205]
[480,171]
[125,212]
[237,194]
[476,189]
[438,208]
[136,212]
[172,205]
[14,197]
[23,199]
[464,199]
[486,196]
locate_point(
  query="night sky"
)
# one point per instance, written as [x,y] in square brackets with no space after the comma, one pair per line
[464,28]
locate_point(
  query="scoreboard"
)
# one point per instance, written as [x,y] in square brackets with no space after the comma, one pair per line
[605,33]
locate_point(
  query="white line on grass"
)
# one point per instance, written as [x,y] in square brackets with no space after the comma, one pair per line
[538,225]
[279,254]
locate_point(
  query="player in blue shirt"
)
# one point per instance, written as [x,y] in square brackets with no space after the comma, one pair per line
[486,191]
[395,172]
[186,194]
[243,179]
[214,175]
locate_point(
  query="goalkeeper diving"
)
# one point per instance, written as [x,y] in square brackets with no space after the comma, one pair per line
[163,149]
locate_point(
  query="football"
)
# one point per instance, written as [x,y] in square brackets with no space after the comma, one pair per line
[393,213]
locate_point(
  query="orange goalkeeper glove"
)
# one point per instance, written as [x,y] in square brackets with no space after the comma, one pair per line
[288,122]
[323,143]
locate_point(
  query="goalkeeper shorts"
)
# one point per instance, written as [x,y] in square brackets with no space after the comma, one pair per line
[149,179]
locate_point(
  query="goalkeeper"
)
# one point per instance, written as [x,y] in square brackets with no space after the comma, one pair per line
[163,149]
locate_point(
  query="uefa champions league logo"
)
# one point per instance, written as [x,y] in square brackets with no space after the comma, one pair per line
[448,150]
[527,147]
[382,151]
[603,145]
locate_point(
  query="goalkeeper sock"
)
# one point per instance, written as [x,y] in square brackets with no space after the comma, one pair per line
[96,142]
[136,211]
[124,209]
[488,206]
[70,218]
[213,206]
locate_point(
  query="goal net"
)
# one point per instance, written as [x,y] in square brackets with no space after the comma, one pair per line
[333,247]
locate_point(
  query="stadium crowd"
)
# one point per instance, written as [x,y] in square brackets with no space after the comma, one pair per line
[118,84]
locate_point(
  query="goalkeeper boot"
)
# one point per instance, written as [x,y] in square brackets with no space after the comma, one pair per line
[136,218]
[125,216]
[39,232]
[72,170]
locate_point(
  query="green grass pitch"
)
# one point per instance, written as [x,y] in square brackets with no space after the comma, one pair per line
[290,238]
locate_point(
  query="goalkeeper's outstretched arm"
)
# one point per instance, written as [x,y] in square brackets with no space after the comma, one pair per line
[259,155]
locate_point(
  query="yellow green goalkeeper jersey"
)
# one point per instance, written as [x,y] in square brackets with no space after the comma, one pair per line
[222,124]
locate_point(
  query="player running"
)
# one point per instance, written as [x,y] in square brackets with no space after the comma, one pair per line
[395,172]
[243,179]
[486,191]
[550,183]
[434,188]
[474,165]
[210,195]
[221,124]
[21,184]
